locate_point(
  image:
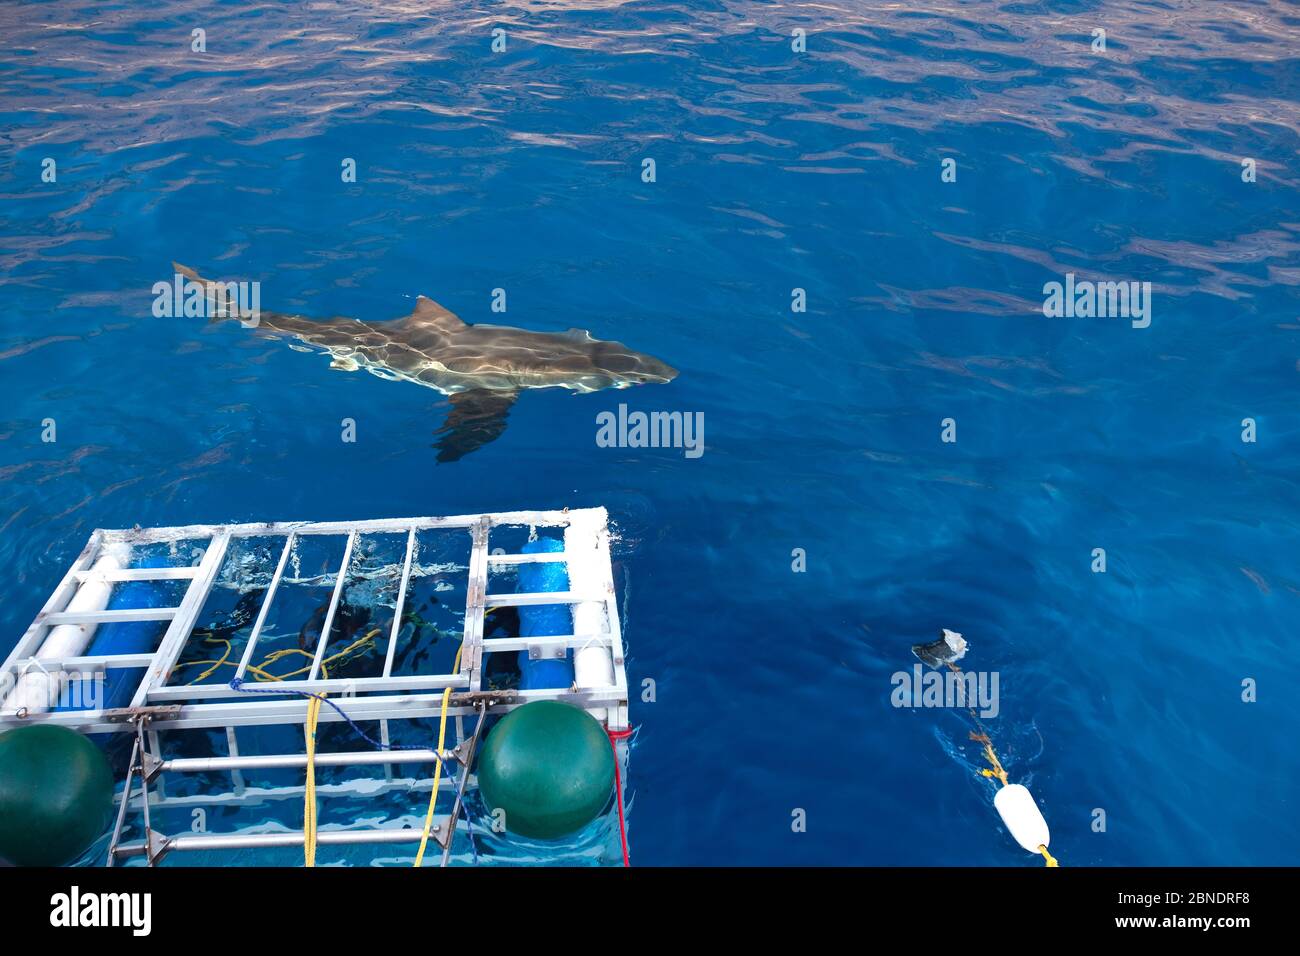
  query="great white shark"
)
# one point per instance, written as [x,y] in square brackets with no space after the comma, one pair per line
[482,367]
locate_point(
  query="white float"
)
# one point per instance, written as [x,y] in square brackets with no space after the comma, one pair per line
[32,690]
[1015,804]
[587,560]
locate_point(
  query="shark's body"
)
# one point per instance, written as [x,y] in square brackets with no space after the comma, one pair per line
[482,367]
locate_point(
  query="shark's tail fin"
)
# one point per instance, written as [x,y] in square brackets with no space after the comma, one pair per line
[187,272]
[216,292]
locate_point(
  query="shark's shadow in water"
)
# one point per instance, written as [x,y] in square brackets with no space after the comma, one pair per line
[482,367]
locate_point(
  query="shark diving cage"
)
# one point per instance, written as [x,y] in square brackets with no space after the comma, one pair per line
[300,660]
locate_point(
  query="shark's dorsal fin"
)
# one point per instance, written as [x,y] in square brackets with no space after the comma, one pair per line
[430,314]
[579,335]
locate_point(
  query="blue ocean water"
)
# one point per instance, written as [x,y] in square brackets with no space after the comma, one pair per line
[775,170]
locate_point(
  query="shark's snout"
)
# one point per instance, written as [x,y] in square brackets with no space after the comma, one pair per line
[631,367]
[657,372]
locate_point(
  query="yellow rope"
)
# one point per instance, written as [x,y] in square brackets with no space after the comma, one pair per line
[437,770]
[997,770]
[215,664]
[259,671]
[313,714]
[309,803]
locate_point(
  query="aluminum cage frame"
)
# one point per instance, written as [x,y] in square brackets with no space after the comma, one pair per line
[157,707]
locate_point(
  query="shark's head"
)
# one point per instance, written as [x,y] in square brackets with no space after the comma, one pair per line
[624,366]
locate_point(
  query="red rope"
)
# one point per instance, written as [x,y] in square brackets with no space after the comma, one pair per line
[614,737]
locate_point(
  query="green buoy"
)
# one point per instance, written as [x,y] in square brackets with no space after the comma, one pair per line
[56,795]
[549,766]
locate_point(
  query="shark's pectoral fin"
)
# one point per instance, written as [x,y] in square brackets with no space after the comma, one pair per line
[477,417]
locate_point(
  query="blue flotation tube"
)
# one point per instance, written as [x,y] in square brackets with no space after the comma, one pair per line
[544,620]
[131,637]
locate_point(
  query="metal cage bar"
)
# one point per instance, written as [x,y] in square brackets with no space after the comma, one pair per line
[400,603]
[471,655]
[333,608]
[173,642]
[265,608]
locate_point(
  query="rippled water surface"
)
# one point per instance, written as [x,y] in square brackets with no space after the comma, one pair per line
[775,170]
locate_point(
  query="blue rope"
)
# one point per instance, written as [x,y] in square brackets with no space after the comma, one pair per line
[238,685]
